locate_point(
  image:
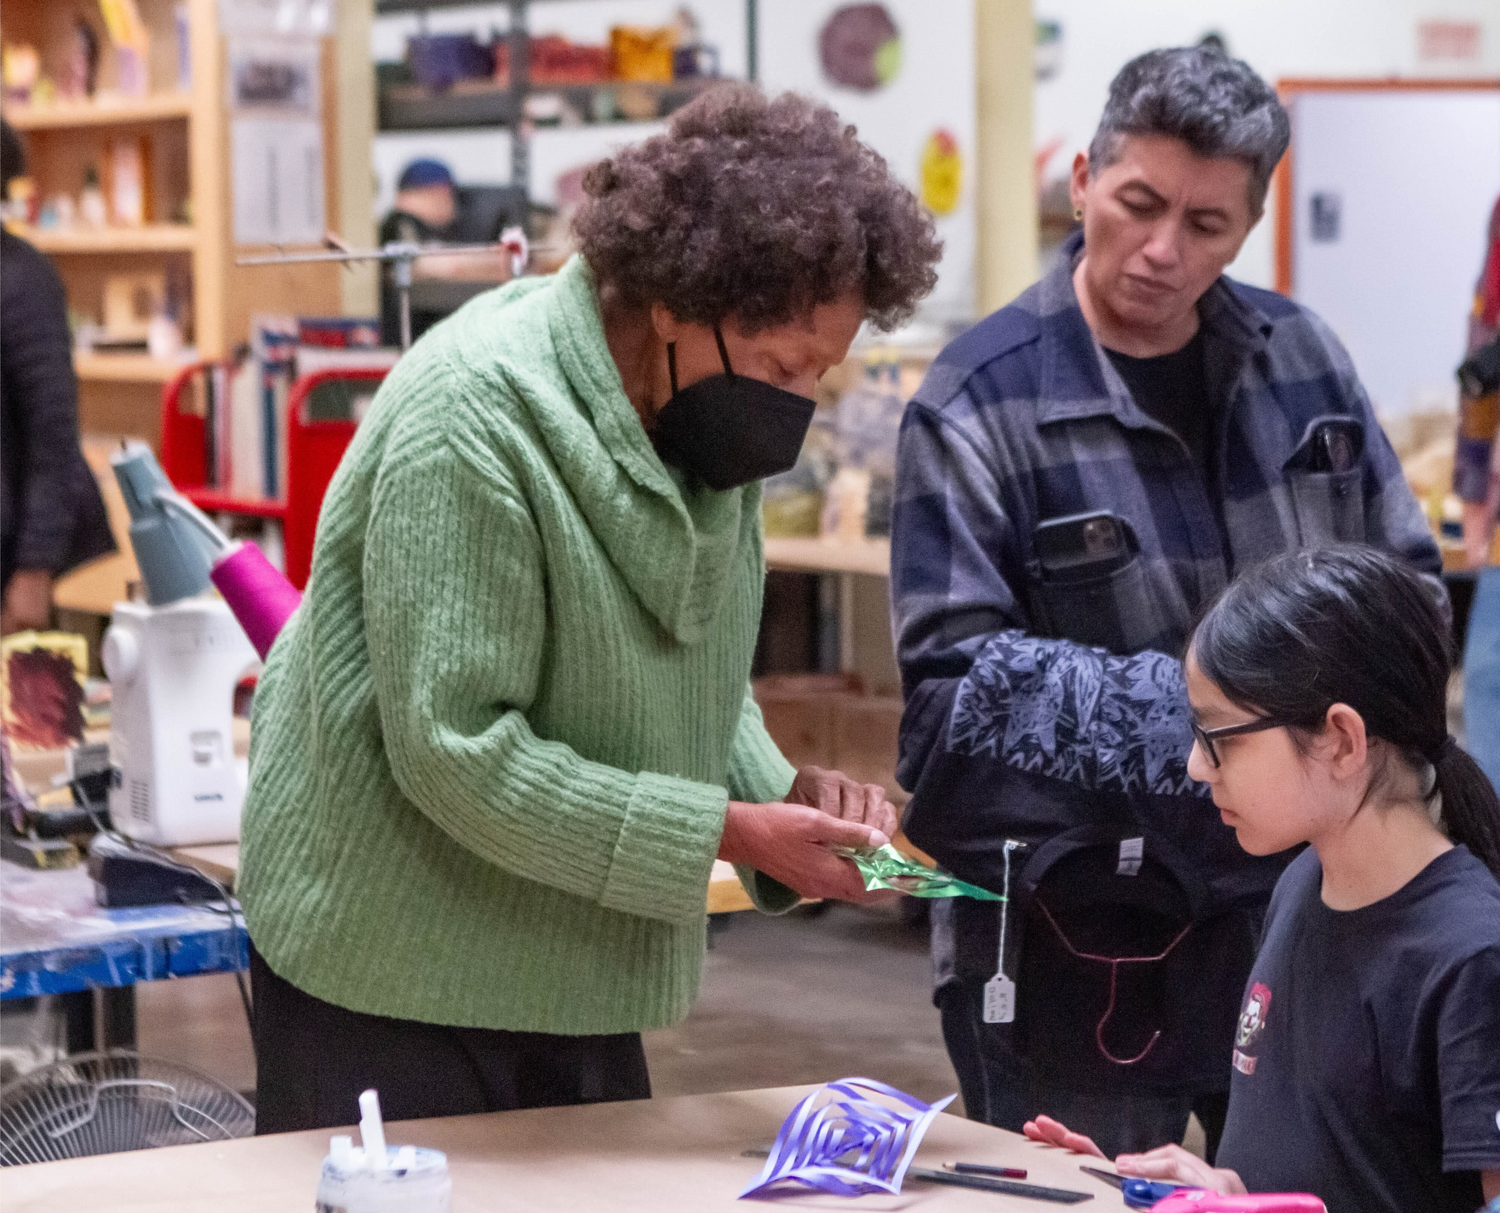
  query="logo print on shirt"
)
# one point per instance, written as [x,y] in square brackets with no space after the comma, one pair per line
[1252,1023]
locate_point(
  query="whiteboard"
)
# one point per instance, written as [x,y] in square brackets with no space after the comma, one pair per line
[1391,198]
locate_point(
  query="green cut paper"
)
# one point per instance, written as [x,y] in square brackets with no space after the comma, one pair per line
[887,868]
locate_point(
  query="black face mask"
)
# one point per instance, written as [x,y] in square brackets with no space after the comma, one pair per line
[730,429]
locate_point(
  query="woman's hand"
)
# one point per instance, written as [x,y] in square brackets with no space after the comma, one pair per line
[789,843]
[28,602]
[1177,1166]
[836,794]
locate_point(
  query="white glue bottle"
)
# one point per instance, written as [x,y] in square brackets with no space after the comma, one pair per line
[375,1178]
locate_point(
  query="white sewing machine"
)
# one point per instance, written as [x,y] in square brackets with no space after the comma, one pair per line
[173,671]
[173,664]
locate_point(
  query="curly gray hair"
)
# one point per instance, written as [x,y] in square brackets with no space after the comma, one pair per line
[1218,106]
[760,207]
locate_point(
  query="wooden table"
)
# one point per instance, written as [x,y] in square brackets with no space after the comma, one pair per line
[869,556]
[658,1155]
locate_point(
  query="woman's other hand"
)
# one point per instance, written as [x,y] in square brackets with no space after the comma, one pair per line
[1054,1133]
[790,843]
[1175,1165]
[834,793]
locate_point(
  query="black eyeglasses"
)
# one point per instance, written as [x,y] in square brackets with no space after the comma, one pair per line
[1207,737]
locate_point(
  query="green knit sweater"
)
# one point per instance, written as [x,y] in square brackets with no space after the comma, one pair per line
[492,749]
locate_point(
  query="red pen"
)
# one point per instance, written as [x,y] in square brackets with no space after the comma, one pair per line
[979,1168]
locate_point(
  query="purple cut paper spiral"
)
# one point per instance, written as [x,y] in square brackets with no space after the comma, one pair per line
[261,598]
[850,1145]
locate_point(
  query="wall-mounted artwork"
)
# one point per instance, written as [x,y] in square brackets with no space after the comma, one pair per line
[942,173]
[860,47]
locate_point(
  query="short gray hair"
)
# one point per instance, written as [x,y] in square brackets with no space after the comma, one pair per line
[1218,106]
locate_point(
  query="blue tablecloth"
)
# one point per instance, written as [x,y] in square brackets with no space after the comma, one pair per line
[54,939]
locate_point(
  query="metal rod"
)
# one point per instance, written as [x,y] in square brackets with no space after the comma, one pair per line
[401,280]
[389,252]
[401,255]
[752,37]
[520,84]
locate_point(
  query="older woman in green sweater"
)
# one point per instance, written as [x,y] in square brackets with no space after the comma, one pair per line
[501,743]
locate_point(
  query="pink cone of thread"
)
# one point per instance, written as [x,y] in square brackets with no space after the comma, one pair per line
[261,598]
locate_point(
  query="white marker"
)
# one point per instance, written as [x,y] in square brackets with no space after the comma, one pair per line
[372,1130]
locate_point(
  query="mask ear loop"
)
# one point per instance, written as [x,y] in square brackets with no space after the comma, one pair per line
[723,352]
[672,358]
[1114,963]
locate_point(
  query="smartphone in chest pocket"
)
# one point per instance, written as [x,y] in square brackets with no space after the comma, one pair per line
[1090,585]
[1080,547]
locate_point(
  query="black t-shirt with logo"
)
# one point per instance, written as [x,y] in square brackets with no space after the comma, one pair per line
[1367,1056]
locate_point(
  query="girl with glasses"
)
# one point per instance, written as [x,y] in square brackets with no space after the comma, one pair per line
[1366,1062]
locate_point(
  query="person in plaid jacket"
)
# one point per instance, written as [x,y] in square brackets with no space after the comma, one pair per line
[1222,425]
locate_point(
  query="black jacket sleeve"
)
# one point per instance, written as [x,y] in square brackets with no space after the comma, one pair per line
[57,517]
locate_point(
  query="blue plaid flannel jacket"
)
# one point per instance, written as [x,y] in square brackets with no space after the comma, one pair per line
[1013,730]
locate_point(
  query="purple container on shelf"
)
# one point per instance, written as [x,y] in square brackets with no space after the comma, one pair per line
[438,60]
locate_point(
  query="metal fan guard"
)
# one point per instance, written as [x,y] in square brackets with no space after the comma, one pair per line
[107,1103]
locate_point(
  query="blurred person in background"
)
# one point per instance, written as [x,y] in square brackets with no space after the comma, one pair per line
[1476,480]
[52,517]
[425,211]
[425,205]
[1200,427]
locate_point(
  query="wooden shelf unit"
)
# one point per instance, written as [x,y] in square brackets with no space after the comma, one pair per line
[123,368]
[106,110]
[147,238]
[188,231]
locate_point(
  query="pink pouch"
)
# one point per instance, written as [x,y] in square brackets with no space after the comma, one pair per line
[1200,1200]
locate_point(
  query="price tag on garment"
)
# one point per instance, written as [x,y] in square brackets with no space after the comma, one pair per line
[1000,990]
[999,999]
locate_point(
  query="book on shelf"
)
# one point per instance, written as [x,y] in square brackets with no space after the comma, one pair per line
[341,343]
[273,344]
[245,474]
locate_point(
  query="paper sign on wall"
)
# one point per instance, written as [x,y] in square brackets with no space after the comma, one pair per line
[276,137]
[316,17]
[278,180]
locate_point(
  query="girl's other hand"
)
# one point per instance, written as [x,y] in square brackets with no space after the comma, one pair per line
[1175,1165]
[1170,1163]
[1054,1133]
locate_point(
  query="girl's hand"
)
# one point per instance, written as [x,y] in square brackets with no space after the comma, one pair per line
[1176,1165]
[1054,1133]
[1170,1163]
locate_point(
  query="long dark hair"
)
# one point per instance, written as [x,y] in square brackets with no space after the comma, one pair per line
[1349,624]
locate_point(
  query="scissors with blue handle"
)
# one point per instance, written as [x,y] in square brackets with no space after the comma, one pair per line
[1139,1193]
[1143,1193]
